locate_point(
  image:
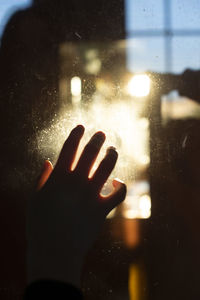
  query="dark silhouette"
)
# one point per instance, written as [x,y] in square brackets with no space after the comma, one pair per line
[29,77]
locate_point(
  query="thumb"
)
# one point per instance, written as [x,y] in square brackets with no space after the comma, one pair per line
[47,169]
[116,197]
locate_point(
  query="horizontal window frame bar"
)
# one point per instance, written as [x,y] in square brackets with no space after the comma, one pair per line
[163,33]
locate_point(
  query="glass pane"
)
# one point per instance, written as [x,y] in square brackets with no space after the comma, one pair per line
[185,14]
[144,14]
[53,76]
[185,53]
[145,54]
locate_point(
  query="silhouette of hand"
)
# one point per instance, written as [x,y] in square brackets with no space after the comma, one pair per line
[67,212]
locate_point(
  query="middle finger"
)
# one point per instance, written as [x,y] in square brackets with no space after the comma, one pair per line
[89,154]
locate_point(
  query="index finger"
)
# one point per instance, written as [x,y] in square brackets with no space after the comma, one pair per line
[69,149]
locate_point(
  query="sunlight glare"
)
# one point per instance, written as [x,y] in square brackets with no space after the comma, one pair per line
[139,85]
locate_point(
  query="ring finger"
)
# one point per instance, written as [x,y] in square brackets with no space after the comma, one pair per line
[89,154]
[105,168]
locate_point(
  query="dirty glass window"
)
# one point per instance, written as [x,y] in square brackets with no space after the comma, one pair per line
[120,67]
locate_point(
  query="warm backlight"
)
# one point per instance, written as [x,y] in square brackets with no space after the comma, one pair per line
[139,85]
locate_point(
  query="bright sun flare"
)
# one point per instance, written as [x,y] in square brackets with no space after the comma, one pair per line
[139,85]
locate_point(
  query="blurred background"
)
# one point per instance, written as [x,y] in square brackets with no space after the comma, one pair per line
[131,69]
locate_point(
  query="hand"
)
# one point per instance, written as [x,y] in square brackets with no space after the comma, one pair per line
[67,212]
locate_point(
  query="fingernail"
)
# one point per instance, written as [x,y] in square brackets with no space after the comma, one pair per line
[111,151]
[118,181]
[98,139]
[79,127]
[46,164]
[78,130]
